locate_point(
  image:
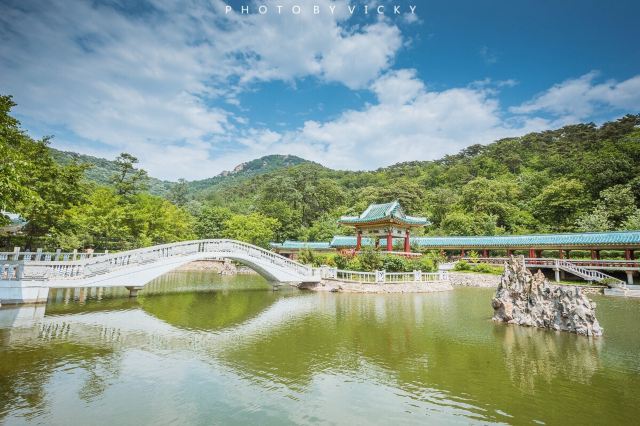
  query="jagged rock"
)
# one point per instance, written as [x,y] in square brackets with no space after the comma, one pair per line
[526,299]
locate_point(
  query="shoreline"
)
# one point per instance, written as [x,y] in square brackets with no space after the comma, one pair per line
[337,286]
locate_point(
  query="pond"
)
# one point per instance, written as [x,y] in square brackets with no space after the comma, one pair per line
[200,348]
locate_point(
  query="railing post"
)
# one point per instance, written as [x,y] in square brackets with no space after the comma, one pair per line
[417,275]
[75,254]
[380,276]
[16,253]
[58,251]
[38,254]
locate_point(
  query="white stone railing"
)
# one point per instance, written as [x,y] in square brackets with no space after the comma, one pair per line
[382,277]
[42,256]
[11,270]
[66,268]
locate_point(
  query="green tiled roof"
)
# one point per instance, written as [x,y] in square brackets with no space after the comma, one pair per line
[600,239]
[376,212]
[302,245]
[539,240]
[341,241]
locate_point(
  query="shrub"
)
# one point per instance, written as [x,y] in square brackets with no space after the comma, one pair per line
[462,265]
[370,260]
[427,264]
[354,265]
[392,263]
[483,268]
[341,261]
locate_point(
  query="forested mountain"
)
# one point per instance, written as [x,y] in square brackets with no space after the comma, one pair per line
[578,178]
[101,170]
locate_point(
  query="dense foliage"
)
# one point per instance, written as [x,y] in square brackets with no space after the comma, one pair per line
[577,178]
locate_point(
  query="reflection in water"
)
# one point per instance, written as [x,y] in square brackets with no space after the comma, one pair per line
[533,355]
[236,352]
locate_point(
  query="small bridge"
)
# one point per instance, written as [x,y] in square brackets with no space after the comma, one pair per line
[26,277]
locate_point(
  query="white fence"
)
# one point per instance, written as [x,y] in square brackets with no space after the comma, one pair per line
[381,277]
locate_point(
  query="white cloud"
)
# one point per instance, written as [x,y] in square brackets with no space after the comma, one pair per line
[408,123]
[146,83]
[578,99]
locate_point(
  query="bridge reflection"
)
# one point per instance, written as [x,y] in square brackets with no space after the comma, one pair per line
[441,348]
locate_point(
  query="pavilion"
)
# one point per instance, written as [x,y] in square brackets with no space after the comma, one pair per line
[386,221]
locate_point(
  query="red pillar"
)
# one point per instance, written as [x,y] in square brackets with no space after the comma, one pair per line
[389,241]
[628,254]
[461,252]
[597,254]
[532,253]
[561,254]
[407,243]
[359,241]
[485,253]
[509,253]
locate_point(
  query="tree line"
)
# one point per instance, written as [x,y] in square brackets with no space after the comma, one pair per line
[578,178]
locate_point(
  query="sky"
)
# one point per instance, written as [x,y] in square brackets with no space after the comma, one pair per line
[193,87]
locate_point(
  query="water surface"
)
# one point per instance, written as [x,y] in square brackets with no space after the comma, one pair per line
[199,348]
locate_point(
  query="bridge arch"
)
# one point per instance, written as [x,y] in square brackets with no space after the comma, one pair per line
[136,268]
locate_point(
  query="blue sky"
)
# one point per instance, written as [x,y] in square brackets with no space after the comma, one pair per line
[193,88]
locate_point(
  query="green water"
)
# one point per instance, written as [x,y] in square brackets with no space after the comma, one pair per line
[197,348]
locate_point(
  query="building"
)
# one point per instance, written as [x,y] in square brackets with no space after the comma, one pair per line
[388,222]
[384,221]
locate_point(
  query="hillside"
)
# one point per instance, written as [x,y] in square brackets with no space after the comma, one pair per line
[576,178]
[102,169]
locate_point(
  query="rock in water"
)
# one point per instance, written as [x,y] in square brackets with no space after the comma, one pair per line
[526,299]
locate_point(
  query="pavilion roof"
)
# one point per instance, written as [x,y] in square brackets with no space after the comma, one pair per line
[386,211]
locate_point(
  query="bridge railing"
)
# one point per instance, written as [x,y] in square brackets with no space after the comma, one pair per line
[11,270]
[382,277]
[551,262]
[91,266]
[47,256]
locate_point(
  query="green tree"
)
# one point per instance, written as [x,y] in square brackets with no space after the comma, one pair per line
[179,193]
[254,228]
[632,222]
[560,203]
[209,222]
[128,180]
[618,202]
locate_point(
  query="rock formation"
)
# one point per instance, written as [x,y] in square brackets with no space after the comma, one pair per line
[526,299]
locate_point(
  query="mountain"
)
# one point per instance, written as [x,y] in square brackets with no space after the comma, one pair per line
[102,169]
[259,166]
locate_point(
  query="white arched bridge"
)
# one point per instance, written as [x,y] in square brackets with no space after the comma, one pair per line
[26,277]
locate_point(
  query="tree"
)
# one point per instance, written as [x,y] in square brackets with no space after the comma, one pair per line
[128,180]
[209,222]
[618,202]
[560,203]
[632,223]
[595,221]
[31,183]
[254,228]
[179,193]
[460,223]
